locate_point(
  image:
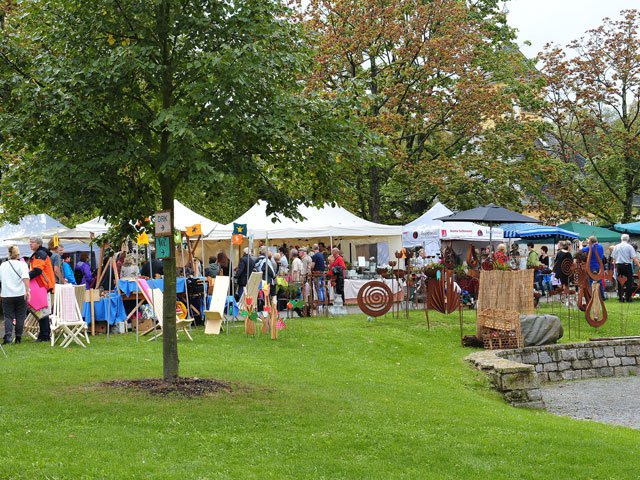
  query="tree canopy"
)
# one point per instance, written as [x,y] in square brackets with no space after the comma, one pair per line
[114,105]
[593,111]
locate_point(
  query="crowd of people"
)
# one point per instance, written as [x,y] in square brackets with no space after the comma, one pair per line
[27,282]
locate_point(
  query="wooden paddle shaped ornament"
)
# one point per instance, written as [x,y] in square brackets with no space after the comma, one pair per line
[596,312]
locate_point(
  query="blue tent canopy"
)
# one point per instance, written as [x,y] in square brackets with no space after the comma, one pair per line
[633,228]
[531,230]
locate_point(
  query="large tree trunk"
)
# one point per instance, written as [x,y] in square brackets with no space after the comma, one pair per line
[170,361]
[374,194]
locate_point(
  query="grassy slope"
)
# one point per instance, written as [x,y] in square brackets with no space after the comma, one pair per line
[333,398]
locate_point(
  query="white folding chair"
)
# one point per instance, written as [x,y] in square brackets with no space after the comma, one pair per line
[67,324]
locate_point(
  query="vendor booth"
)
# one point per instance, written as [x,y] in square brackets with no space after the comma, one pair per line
[429,233]
[355,236]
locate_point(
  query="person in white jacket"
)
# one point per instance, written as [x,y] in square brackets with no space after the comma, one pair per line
[14,277]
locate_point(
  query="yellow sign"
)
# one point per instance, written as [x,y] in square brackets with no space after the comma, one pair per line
[194,230]
[142,239]
[56,241]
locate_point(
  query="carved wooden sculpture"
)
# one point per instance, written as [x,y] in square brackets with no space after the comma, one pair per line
[596,311]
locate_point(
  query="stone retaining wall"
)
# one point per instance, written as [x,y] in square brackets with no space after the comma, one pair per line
[517,374]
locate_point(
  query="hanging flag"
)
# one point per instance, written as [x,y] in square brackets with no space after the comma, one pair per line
[177,237]
[142,239]
[56,241]
[194,230]
[240,229]
[237,239]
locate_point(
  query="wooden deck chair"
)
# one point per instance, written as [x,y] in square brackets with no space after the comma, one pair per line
[251,290]
[66,320]
[215,313]
[157,299]
[31,324]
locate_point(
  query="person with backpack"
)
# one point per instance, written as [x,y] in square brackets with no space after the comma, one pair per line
[82,271]
[213,270]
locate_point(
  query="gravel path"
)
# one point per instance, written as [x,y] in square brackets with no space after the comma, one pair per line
[607,400]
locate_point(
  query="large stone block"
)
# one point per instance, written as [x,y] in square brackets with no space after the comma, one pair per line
[569,355]
[518,381]
[608,352]
[550,367]
[620,351]
[605,372]
[633,350]
[621,371]
[565,365]
[556,376]
[544,357]
[571,375]
[598,352]
[599,362]
[585,354]
[530,357]
[589,373]
[581,364]
[628,360]
[614,362]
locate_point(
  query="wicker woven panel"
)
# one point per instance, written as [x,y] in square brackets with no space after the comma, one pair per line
[506,290]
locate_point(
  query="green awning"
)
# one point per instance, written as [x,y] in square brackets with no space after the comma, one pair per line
[604,235]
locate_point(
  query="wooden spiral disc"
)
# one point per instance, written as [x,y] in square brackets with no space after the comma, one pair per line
[375,298]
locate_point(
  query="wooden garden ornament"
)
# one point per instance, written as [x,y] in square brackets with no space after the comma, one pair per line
[375,298]
[596,311]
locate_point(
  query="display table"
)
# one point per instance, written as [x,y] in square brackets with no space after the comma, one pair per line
[103,311]
[129,287]
[352,287]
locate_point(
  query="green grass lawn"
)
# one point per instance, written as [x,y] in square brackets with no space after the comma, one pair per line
[332,398]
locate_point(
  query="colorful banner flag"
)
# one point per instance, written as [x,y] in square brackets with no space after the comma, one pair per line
[237,239]
[194,230]
[240,229]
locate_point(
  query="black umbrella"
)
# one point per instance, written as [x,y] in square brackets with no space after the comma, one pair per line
[489,214]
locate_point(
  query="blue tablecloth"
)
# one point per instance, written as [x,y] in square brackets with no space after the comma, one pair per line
[129,287]
[115,312]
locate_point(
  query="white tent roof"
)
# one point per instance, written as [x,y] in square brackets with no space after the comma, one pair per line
[183,217]
[427,227]
[428,218]
[97,225]
[327,221]
[40,224]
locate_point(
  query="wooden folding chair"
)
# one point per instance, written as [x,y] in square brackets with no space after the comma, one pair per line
[214,315]
[67,324]
[156,300]
[31,325]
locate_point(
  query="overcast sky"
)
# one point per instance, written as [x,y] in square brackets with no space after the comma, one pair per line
[560,21]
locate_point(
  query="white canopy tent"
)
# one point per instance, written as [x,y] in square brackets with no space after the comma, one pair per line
[34,225]
[335,224]
[428,233]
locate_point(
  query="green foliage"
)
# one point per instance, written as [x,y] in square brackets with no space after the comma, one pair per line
[344,398]
[116,99]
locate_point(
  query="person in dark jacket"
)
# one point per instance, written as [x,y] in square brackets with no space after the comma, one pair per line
[155,266]
[246,265]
